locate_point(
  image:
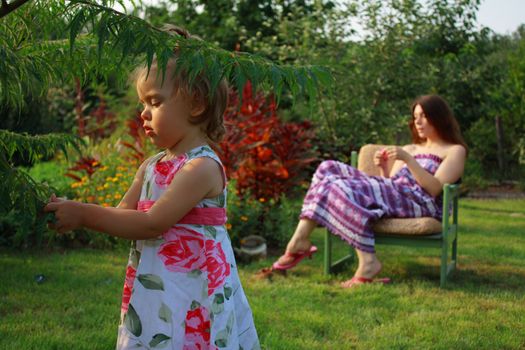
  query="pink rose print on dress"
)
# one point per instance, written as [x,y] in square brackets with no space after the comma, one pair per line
[197,331]
[216,265]
[128,287]
[164,171]
[183,250]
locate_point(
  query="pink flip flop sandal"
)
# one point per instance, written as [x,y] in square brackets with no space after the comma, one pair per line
[297,257]
[356,281]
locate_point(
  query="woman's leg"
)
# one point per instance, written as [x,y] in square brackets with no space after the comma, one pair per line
[300,240]
[369,264]
[326,173]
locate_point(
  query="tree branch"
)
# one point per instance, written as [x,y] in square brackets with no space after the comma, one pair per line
[6,8]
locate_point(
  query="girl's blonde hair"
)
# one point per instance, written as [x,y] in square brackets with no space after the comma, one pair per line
[199,91]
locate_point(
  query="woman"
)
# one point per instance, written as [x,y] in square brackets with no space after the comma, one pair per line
[347,201]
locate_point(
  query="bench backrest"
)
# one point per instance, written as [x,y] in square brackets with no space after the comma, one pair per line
[365,160]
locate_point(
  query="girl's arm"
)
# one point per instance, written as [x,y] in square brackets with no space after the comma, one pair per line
[195,181]
[449,171]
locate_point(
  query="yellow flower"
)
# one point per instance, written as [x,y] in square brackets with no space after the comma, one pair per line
[108,179]
[119,175]
[228,226]
[262,200]
[104,168]
[106,185]
[244,218]
[105,204]
[100,199]
[115,179]
[95,163]
[84,178]
[117,196]
[100,188]
[108,196]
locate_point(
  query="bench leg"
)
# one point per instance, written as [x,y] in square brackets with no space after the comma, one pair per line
[455,252]
[444,265]
[327,253]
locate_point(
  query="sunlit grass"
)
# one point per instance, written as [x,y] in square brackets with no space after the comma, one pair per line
[78,305]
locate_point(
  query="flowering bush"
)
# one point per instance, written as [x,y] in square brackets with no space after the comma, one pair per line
[268,162]
[105,176]
[265,156]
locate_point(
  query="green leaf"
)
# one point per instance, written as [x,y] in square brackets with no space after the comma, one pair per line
[132,321]
[195,273]
[221,340]
[228,292]
[217,305]
[229,324]
[134,257]
[211,231]
[159,340]
[165,313]
[151,281]
[148,185]
[195,305]
[221,199]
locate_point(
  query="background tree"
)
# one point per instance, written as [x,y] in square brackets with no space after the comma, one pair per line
[48,43]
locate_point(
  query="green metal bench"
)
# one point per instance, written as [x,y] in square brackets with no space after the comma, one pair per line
[446,240]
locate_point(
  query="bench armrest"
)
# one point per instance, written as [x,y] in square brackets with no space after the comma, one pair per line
[450,207]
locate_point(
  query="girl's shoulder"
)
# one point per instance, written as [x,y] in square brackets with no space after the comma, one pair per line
[201,151]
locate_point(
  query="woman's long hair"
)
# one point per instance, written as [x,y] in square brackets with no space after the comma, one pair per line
[440,116]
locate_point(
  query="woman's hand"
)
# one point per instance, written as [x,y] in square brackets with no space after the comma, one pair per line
[380,157]
[68,214]
[397,153]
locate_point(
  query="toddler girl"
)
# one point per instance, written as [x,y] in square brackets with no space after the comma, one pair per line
[182,289]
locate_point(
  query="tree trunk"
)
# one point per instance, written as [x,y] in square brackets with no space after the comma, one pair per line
[499,136]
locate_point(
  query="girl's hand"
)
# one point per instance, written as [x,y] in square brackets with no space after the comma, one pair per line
[68,214]
[380,157]
[397,153]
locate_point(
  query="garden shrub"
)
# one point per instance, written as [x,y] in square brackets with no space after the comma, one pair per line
[265,157]
[269,163]
[275,220]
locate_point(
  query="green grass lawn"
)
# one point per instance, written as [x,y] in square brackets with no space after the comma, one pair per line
[483,306]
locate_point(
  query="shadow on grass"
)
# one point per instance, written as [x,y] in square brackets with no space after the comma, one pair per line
[491,210]
[474,279]
[491,281]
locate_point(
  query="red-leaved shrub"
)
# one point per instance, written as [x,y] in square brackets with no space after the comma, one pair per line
[265,156]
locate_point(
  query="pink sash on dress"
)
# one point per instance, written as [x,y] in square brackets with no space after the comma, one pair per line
[196,216]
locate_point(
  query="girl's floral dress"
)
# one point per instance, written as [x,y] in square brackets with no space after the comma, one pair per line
[182,289]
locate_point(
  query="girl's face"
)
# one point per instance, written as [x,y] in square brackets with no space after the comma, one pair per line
[423,127]
[165,113]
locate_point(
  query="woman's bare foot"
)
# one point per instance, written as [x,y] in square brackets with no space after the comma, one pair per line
[368,268]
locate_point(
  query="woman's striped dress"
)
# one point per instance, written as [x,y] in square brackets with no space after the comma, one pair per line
[347,201]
